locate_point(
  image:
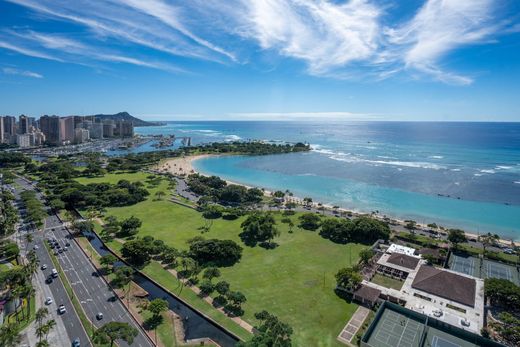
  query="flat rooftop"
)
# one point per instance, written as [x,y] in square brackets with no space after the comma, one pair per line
[395,325]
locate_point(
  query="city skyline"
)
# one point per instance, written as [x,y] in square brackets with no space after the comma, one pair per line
[353,60]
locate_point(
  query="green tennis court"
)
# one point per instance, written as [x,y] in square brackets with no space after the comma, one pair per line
[493,269]
[395,329]
[465,264]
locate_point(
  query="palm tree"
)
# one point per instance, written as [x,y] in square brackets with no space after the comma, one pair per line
[50,325]
[41,331]
[41,314]
[9,335]
[42,343]
[28,239]
[488,240]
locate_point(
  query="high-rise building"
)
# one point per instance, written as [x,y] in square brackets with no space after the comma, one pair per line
[67,134]
[9,130]
[96,130]
[2,134]
[24,140]
[50,127]
[32,122]
[108,128]
[23,124]
[38,138]
[81,135]
[124,129]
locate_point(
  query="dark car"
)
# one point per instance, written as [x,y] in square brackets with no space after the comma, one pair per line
[48,280]
[76,342]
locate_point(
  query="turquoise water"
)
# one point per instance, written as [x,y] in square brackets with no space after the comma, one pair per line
[470,215]
[455,174]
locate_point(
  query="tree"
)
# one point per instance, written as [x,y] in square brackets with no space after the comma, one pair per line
[488,240]
[411,225]
[365,255]
[42,343]
[430,259]
[309,221]
[107,261]
[123,277]
[9,335]
[502,291]
[508,327]
[348,278]
[307,201]
[130,226]
[113,331]
[236,299]
[222,287]
[259,227]
[157,307]
[136,252]
[160,195]
[215,252]
[211,272]
[49,326]
[206,288]
[271,332]
[456,236]
[41,314]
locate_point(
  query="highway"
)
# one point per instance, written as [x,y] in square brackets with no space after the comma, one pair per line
[91,290]
[70,319]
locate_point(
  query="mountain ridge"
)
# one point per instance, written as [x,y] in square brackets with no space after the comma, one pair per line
[127,117]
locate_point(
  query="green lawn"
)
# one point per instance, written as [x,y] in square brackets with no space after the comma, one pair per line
[294,281]
[387,282]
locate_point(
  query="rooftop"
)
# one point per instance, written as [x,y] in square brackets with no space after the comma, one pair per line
[394,248]
[403,260]
[367,293]
[446,285]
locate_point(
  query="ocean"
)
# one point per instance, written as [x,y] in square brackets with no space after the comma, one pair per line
[456,174]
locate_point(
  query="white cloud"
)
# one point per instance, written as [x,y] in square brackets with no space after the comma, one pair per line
[76,52]
[338,39]
[323,34]
[27,51]
[438,28]
[13,71]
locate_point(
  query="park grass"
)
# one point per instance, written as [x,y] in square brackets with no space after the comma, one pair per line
[295,281]
[387,282]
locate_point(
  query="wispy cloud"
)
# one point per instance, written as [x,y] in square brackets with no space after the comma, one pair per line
[438,28]
[324,34]
[338,39]
[25,73]
[74,51]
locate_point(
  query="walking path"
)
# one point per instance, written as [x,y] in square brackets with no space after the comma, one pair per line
[353,325]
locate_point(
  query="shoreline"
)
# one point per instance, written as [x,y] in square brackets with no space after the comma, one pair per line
[184,166]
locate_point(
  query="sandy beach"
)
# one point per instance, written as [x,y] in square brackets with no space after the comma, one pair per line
[183,166]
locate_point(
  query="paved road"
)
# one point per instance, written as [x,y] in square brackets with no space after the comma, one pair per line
[56,290]
[91,290]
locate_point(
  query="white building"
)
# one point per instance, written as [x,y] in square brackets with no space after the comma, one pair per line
[23,140]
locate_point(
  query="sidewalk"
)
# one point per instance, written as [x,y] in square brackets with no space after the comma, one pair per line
[353,325]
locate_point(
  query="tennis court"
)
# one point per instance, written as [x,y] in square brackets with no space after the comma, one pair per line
[465,264]
[438,338]
[395,329]
[493,269]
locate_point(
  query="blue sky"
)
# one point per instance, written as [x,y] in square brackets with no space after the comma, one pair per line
[262,59]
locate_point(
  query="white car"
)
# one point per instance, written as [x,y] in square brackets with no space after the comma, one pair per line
[44,266]
[61,309]
[48,301]
[36,247]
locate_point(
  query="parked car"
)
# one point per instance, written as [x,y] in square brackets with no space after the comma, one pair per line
[54,273]
[44,266]
[48,301]
[76,342]
[48,280]
[99,316]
